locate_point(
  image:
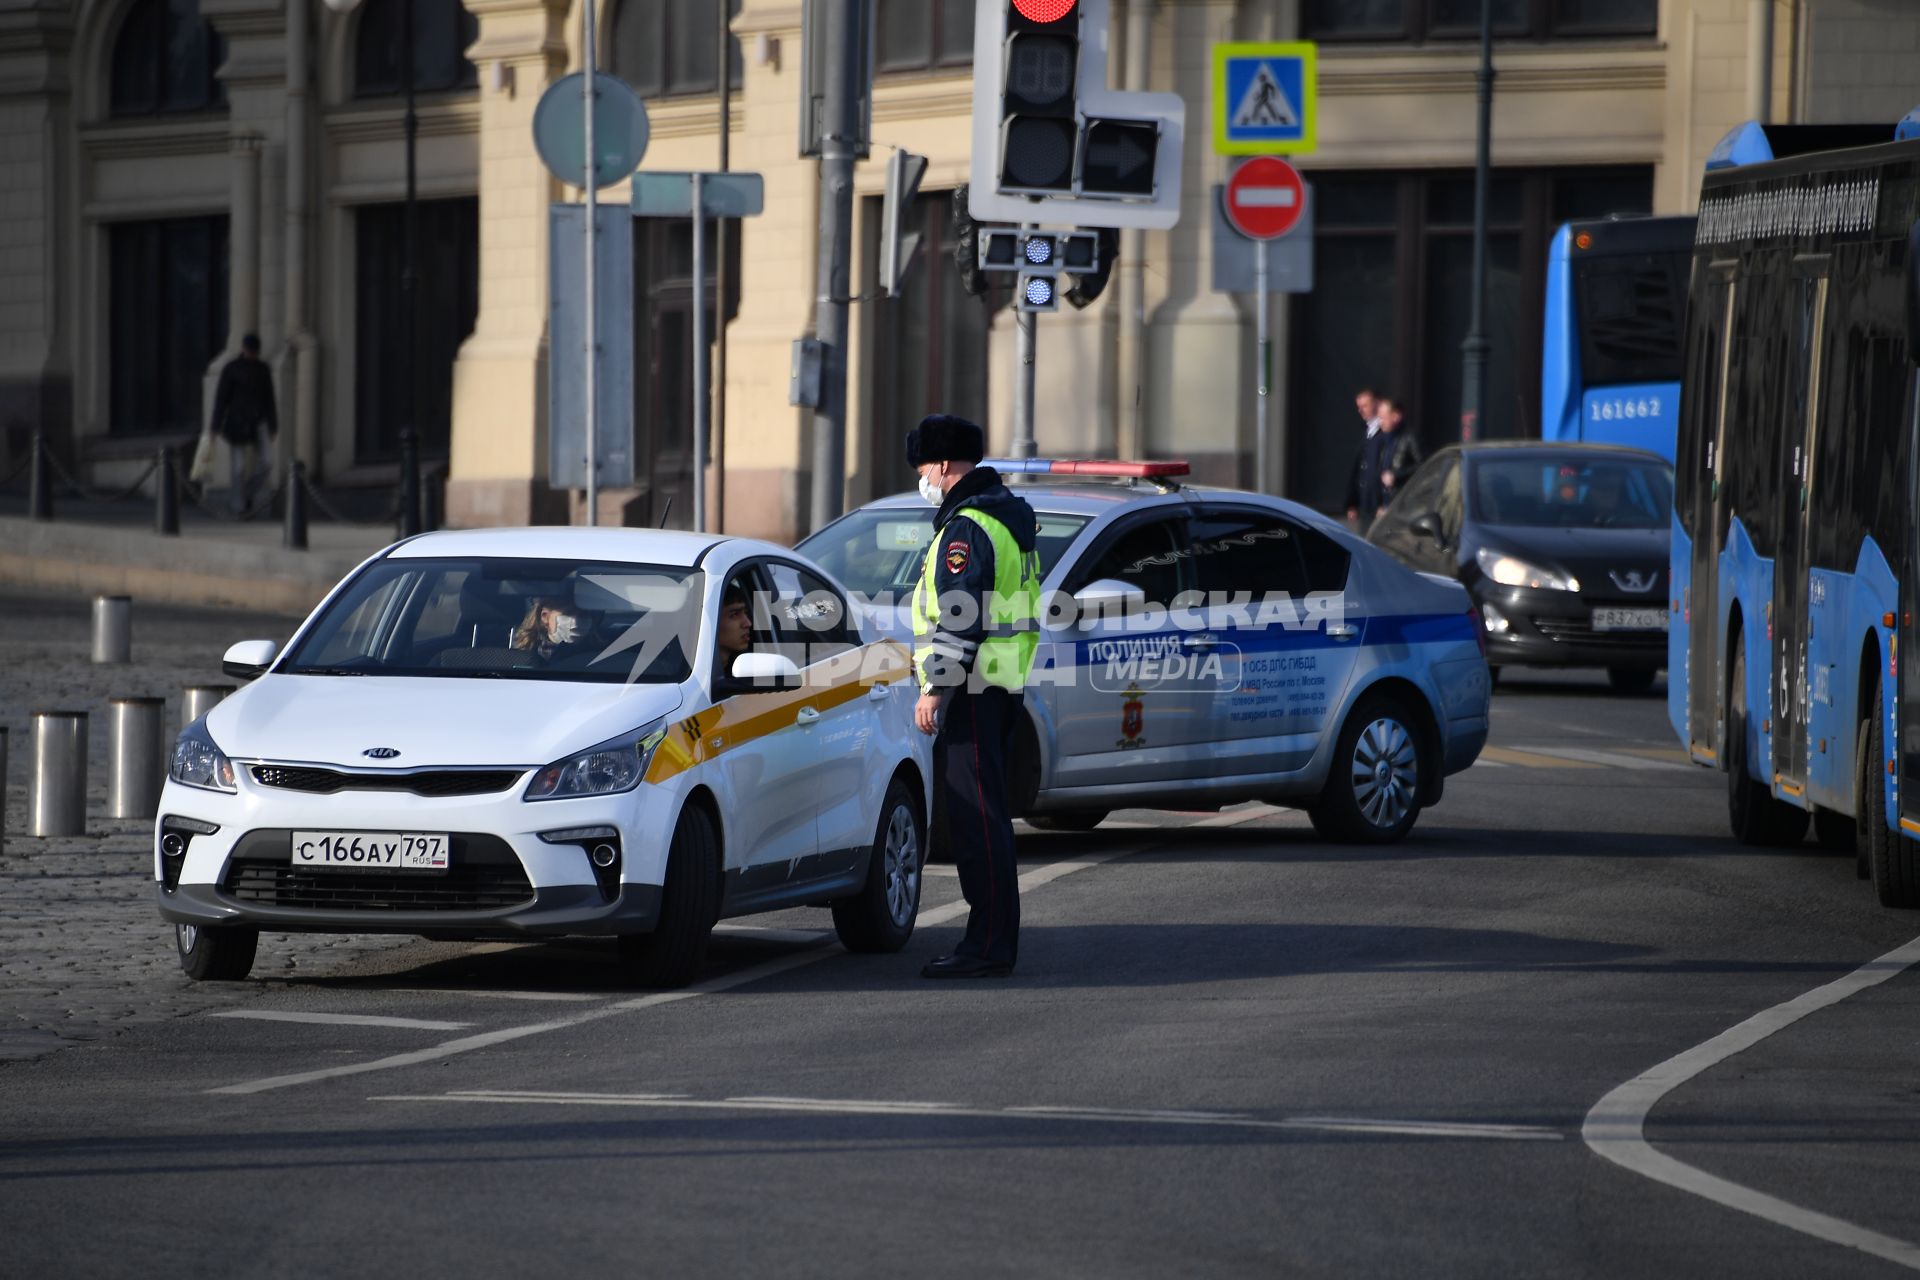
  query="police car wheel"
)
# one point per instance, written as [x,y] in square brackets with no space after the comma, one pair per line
[673,953]
[1372,793]
[215,953]
[880,917]
[1067,819]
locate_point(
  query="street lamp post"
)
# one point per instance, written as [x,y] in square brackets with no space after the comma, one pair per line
[1473,351]
[409,312]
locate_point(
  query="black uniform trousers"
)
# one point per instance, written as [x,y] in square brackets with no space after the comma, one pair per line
[976,736]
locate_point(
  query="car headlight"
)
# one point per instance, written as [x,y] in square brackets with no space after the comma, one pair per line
[197,762]
[605,770]
[1511,571]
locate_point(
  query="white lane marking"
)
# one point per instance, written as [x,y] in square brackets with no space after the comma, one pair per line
[339,1019]
[723,982]
[1611,759]
[1096,1115]
[1616,1127]
[559,997]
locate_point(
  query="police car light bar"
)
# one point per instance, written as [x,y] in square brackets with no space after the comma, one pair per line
[1067,467]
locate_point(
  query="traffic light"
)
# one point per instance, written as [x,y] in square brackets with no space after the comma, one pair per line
[897,244]
[1052,143]
[1089,284]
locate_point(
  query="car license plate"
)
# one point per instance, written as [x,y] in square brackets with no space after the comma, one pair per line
[1629,619]
[370,850]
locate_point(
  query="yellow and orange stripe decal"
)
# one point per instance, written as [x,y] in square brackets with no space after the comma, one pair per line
[747,717]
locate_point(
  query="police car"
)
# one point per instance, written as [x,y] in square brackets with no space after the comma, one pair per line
[1204,647]
[526,733]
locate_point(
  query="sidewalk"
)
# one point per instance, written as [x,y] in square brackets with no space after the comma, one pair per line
[93,547]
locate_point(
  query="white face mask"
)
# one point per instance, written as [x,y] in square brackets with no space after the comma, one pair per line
[565,627]
[931,491]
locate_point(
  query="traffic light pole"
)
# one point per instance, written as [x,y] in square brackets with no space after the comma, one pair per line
[1025,335]
[1473,351]
[838,142]
[1262,419]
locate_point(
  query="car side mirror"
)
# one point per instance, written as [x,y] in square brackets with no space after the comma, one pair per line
[1913,293]
[772,670]
[1109,598]
[249,658]
[1429,524]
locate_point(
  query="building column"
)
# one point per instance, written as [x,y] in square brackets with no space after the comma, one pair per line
[243,240]
[499,454]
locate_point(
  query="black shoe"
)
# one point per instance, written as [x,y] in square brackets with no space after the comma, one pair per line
[965,967]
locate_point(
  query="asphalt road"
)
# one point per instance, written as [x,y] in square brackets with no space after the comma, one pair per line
[1230,1049]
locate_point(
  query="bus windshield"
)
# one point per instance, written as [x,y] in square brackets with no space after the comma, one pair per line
[1565,492]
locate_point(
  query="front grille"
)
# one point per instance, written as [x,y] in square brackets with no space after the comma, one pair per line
[483,875]
[438,782]
[1580,631]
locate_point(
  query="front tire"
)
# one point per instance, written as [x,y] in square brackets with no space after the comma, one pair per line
[1372,793]
[674,952]
[215,953]
[1630,679]
[1753,813]
[1891,859]
[880,917]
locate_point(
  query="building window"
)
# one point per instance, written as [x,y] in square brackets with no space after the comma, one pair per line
[663,356]
[167,321]
[1392,301]
[442,31]
[666,48]
[929,344]
[446,302]
[923,35]
[1416,21]
[166,59]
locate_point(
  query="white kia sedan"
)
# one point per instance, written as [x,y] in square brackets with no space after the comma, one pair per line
[523,733]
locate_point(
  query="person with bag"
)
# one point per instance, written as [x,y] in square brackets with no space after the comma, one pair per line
[245,417]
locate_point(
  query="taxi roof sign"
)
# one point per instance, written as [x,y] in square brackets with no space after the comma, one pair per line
[1265,97]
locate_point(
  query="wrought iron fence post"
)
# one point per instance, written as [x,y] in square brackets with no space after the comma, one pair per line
[409,483]
[39,481]
[293,533]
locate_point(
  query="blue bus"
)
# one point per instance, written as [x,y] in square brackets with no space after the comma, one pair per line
[1616,318]
[1795,551]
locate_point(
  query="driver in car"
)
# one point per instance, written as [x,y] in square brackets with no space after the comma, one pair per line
[736,627]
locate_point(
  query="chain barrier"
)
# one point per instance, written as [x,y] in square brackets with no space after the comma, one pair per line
[327,509]
[77,490]
[18,471]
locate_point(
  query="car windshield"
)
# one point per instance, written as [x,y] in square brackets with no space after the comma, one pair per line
[507,619]
[1572,492]
[879,551]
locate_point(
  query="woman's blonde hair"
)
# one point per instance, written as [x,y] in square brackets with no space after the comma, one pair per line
[530,633]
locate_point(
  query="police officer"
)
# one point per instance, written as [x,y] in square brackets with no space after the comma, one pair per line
[976,613]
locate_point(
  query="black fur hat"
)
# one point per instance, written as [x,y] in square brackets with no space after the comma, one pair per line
[941,437]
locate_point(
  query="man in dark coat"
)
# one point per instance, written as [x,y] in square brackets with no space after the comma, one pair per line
[245,417]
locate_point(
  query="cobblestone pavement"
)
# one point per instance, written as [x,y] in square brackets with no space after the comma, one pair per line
[83,952]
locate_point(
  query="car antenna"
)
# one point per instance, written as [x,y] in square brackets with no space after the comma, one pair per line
[666,511]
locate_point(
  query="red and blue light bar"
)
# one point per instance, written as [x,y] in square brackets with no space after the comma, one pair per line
[1091,467]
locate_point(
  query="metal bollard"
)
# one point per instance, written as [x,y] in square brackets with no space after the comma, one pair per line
[136,756]
[166,496]
[57,791]
[409,483]
[39,481]
[293,530]
[198,699]
[112,629]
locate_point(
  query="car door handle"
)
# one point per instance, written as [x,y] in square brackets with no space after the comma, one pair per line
[1200,642]
[1342,630]
[808,715]
[878,692]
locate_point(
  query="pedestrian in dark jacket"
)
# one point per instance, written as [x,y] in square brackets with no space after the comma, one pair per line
[1367,405]
[1400,454]
[245,417]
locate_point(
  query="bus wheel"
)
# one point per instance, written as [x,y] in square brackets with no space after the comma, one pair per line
[1630,679]
[1892,860]
[1755,816]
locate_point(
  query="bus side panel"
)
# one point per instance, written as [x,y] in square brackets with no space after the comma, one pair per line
[1560,353]
[1746,586]
[1679,630]
[1845,611]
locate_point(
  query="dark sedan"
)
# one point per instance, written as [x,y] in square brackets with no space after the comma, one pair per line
[1563,548]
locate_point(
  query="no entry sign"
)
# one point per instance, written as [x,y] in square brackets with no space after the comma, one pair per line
[1264,198]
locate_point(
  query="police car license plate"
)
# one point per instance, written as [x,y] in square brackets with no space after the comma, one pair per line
[1629,619]
[370,850]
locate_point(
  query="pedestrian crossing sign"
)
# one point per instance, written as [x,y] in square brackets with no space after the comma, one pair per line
[1264,98]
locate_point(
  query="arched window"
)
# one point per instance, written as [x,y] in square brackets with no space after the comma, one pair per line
[442,30]
[164,60]
[665,48]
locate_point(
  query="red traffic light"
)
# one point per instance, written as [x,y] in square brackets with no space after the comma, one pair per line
[1044,10]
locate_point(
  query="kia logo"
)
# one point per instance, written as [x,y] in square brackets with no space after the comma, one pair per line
[1631,580]
[381,753]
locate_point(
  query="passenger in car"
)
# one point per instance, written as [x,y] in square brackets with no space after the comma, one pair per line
[553,630]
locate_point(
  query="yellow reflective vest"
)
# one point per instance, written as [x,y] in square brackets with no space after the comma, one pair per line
[1012,610]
